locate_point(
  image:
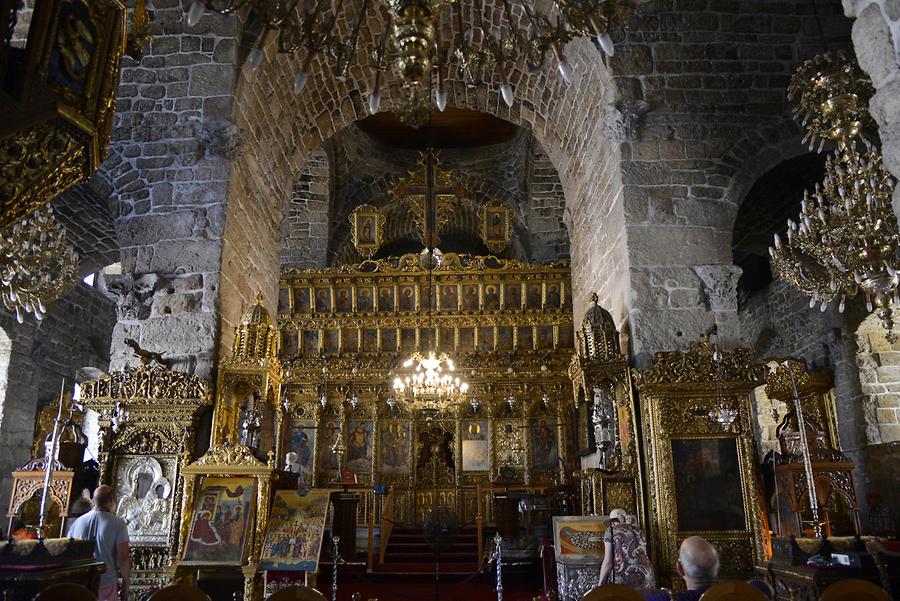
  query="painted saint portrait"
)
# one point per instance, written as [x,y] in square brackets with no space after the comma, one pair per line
[369,341]
[284,300]
[350,340]
[332,341]
[512,298]
[426,338]
[545,337]
[323,300]
[301,300]
[525,338]
[553,297]
[359,446]
[219,523]
[470,297]
[467,339]
[534,296]
[544,445]
[447,341]
[343,300]
[289,343]
[708,490]
[302,441]
[310,342]
[505,338]
[367,224]
[449,298]
[475,450]
[426,296]
[367,230]
[365,302]
[386,298]
[407,340]
[395,446]
[407,298]
[485,339]
[328,460]
[143,486]
[491,297]
[495,226]
[388,340]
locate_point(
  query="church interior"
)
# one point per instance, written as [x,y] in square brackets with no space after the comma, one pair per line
[562,300]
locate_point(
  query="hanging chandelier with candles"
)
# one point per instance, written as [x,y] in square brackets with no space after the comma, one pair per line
[845,240]
[429,382]
[37,263]
[426,40]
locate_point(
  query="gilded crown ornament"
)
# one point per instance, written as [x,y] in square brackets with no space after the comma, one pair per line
[845,240]
[37,263]
[427,40]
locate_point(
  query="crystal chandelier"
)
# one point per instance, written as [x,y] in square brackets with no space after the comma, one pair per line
[424,43]
[36,263]
[429,382]
[845,240]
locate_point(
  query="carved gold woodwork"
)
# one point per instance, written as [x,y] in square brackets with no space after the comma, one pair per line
[163,407]
[677,394]
[28,482]
[814,389]
[599,366]
[58,112]
[252,369]
[230,460]
[508,326]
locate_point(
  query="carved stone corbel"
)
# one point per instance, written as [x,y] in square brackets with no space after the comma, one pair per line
[720,285]
[134,295]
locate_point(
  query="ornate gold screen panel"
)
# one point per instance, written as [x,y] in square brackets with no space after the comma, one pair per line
[702,469]
[508,325]
[142,457]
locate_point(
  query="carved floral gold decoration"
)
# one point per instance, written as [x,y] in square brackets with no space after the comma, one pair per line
[37,264]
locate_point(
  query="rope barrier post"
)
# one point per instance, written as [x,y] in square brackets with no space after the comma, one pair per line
[497,540]
[336,557]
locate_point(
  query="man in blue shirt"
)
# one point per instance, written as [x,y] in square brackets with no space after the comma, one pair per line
[698,564]
[110,534]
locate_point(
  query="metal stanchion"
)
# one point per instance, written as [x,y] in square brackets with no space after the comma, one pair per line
[335,559]
[497,540]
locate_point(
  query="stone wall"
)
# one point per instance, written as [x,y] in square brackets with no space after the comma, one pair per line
[876,41]
[75,333]
[305,235]
[166,178]
[706,84]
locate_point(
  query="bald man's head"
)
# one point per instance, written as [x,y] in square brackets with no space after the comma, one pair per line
[103,497]
[698,562]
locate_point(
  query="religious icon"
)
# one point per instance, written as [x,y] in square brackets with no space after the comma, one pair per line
[364,301]
[395,447]
[386,298]
[513,296]
[505,338]
[350,340]
[447,341]
[296,528]
[219,524]
[289,343]
[407,340]
[579,537]
[310,342]
[475,449]
[332,341]
[525,338]
[407,298]
[302,441]
[426,298]
[369,342]
[284,300]
[545,337]
[485,339]
[491,297]
[449,301]
[143,487]
[359,446]
[470,297]
[708,489]
[328,459]
[367,224]
[566,333]
[323,300]
[467,339]
[389,340]
[544,445]
[426,338]
[344,300]
[301,300]
[496,226]
[553,299]
[535,296]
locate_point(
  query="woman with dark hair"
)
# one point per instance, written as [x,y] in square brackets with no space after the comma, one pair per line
[625,559]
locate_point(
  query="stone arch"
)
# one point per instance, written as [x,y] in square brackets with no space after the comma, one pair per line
[569,130]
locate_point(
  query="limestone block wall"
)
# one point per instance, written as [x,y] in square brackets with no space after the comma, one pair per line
[876,41]
[707,84]
[304,241]
[75,333]
[166,179]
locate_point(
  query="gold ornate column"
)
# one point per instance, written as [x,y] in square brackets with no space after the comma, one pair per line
[251,377]
[601,381]
[701,462]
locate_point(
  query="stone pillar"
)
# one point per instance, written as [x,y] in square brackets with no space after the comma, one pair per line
[876,42]
[170,158]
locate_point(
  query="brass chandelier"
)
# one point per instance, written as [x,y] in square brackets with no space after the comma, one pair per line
[36,263]
[424,42]
[846,239]
[430,382]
